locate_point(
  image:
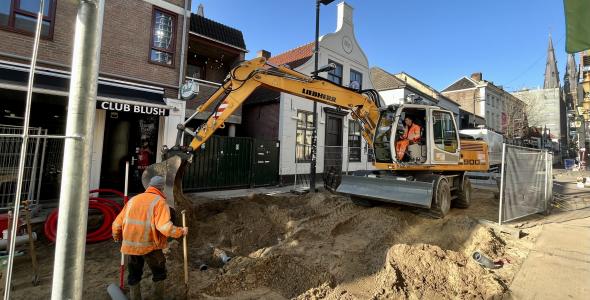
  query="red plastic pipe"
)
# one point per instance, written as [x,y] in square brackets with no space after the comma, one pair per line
[108,208]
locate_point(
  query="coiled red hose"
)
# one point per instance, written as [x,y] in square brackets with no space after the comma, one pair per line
[108,208]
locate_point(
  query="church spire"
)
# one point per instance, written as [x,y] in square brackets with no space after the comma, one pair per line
[551,73]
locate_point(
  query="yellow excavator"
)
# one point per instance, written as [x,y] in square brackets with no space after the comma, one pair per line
[429,173]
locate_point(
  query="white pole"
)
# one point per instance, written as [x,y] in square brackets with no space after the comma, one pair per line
[502,177]
[68,267]
[126,178]
[23,153]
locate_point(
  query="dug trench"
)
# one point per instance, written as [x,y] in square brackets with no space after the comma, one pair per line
[314,247]
[323,246]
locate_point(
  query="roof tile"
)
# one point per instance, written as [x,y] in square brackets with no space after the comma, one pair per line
[294,57]
[217,31]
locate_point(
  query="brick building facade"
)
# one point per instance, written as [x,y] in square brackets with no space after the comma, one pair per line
[141,62]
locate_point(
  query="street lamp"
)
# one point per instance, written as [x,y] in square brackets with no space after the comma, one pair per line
[314,134]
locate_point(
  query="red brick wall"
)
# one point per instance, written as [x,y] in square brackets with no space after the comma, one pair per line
[125,41]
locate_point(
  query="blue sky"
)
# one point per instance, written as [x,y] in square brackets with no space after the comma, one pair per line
[435,41]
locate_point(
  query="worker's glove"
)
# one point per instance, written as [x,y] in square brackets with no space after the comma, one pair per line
[184,231]
[116,238]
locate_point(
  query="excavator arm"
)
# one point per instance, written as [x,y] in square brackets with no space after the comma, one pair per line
[241,82]
[250,75]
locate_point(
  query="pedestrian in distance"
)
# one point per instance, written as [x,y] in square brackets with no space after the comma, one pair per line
[143,227]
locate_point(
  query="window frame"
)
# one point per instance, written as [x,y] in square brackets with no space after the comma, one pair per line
[359,74]
[151,47]
[354,124]
[305,130]
[15,9]
[456,137]
[332,74]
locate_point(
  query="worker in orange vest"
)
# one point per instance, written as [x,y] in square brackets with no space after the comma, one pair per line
[411,135]
[143,227]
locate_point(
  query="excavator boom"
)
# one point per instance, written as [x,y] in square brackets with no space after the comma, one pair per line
[241,82]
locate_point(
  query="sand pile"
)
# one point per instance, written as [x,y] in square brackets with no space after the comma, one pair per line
[325,247]
[314,247]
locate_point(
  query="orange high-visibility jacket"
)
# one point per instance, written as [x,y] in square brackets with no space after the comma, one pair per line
[412,133]
[145,224]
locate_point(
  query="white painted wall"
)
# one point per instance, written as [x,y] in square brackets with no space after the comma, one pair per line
[343,48]
[97,142]
[396,96]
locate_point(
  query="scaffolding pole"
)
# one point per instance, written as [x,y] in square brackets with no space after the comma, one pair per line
[23,155]
[68,268]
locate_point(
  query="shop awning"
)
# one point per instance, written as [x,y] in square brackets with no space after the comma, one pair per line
[113,94]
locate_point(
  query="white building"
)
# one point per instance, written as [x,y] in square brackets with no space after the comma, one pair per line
[397,88]
[338,136]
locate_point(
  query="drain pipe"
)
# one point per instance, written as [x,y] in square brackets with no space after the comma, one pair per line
[68,267]
[19,240]
[483,260]
[182,52]
[221,255]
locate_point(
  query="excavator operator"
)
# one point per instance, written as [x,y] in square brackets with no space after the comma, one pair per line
[410,136]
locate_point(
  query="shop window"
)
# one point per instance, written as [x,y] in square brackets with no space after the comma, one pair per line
[21,16]
[356,77]
[354,141]
[335,75]
[163,37]
[303,137]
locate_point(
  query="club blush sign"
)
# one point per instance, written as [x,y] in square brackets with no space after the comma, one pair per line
[132,108]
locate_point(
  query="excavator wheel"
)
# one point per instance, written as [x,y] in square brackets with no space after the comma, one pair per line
[464,195]
[332,180]
[441,202]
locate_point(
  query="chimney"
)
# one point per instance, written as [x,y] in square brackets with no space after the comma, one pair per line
[263,53]
[344,15]
[200,10]
[477,76]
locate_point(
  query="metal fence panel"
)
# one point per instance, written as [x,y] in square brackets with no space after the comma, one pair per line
[9,160]
[526,183]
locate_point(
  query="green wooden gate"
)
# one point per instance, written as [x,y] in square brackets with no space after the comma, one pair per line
[232,162]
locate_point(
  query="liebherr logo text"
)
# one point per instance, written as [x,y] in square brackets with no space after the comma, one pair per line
[319,95]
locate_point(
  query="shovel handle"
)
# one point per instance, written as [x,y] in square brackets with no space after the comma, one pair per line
[122,272]
[185,249]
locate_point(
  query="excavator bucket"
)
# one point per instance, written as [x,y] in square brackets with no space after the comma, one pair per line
[172,170]
[413,193]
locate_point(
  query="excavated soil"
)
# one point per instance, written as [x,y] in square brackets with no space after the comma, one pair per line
[322,247]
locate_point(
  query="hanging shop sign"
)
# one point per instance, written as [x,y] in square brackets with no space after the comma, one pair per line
[132,108]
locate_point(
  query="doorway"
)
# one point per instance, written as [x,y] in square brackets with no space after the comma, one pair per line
[333,143]
[129,138]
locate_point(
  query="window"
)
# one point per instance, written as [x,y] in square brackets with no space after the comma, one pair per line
[163,37]
[303,137]
[21,16]
[354,141]
[358,77]
[335,75]
[445,135]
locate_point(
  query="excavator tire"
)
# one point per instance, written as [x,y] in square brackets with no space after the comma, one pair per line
[441,202]
[464,195]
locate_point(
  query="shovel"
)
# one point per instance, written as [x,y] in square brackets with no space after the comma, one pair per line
[185,253]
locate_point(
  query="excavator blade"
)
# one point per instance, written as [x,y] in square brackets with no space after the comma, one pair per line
[414,193]
[172,170]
